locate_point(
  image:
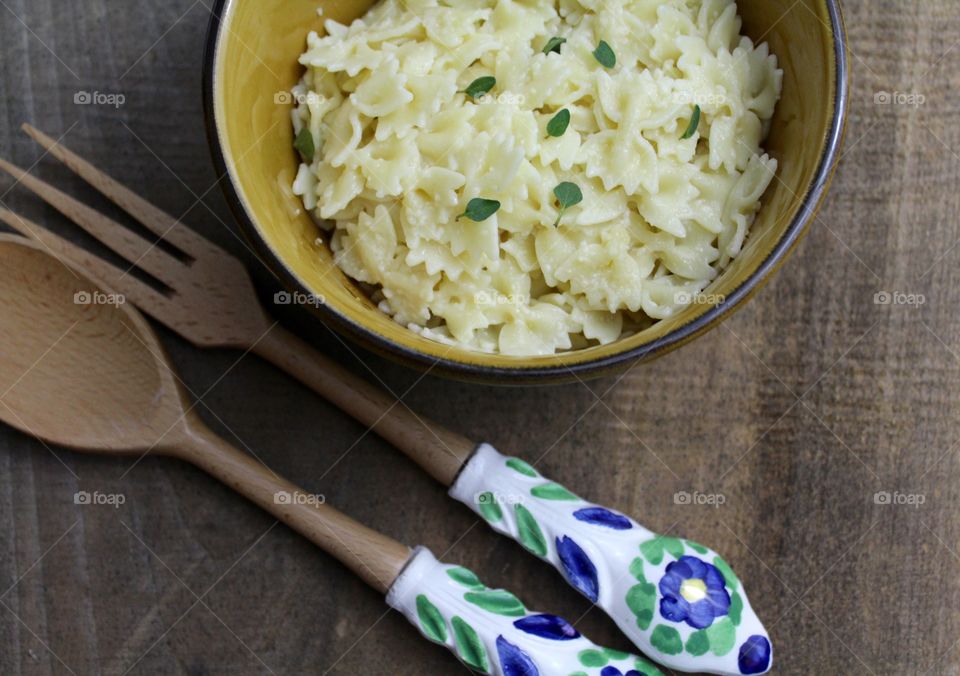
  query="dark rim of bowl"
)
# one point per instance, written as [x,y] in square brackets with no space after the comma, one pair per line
[811,202]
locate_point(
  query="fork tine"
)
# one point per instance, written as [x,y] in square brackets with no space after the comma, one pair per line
[139,251]
[139,293]
[154,219]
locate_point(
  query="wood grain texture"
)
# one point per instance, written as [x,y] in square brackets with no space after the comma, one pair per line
[798,410]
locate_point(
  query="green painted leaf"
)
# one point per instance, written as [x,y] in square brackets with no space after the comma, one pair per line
[700,549]
[604,54]
[615,654]
[519,465]
[469,646]
[489,507]
[727,571]
[698,644]
[647,668]
[652,550]
[480,86]
[552,491]
[667,640]
[498,601]
[558,123]
[694,123]
[553,45]
[636,569]
[304,144]
[529,531]
[431,621]
[642,601]
[722,635]
[592,658]
[480,209]
[672,545]
[579,673]
[465,577]
[735,613]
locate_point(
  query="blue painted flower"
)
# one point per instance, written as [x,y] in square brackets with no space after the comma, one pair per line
[754,655]
[600,516]
[694,592]
[613,671]
[547,626]
[513,661]
[578,568]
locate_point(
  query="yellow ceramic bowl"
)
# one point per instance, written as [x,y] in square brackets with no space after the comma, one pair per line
[251,63]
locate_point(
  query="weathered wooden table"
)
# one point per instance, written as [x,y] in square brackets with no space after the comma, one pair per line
[801,414]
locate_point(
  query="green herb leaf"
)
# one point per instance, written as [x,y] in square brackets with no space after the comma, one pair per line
[469,646]
[568,194]
[497,601]
[480,86]
[480,209]
[694,123]
[605,55]
[431,621]
[558,123]
[304,144]
[528,531]
[553,45]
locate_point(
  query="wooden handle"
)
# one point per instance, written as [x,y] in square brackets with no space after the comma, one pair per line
[438,450]
[376,558]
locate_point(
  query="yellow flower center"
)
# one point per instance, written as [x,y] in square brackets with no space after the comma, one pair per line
[693,590]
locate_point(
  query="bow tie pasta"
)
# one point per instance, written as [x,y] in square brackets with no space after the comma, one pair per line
[435,136]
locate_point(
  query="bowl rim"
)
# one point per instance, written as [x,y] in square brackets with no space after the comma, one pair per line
[521,373]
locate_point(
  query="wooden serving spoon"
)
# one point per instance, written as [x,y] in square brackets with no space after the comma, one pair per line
[82,369]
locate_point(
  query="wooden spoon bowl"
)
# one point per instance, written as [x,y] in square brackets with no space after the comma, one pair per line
[80,368]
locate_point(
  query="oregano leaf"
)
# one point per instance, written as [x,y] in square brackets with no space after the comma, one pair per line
[553,45]
[480,86]
[558,123]
[604,54]
[304,144]
[694,123]
[568,194]
[480,209]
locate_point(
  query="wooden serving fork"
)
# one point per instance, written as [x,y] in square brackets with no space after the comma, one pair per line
[678,601]
[93,376]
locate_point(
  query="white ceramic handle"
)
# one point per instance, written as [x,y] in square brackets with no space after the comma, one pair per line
[679,602]
[492,632]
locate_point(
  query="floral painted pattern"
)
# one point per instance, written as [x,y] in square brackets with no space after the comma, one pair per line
[677,600]
[694,592]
